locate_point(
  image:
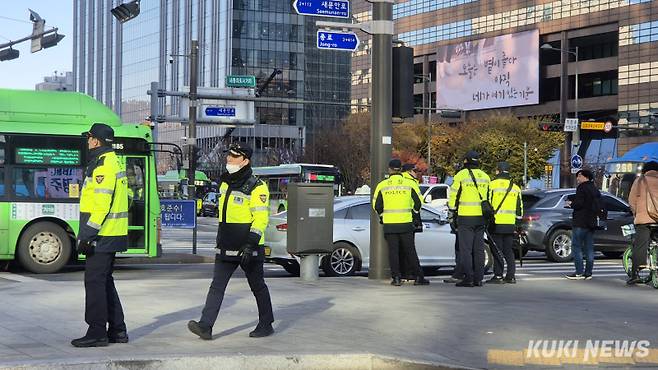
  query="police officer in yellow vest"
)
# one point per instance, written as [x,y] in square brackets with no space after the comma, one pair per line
[469,187]
[103,232]
[505,198]
[243,208]
[395,200]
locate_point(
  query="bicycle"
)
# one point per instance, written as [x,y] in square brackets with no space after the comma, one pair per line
[649,274]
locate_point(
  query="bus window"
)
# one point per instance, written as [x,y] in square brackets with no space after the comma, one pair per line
[47,182]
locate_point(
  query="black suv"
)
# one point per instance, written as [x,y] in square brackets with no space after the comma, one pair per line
[547,224]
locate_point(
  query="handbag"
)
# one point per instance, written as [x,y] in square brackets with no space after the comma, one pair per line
[652,209]
[487,209]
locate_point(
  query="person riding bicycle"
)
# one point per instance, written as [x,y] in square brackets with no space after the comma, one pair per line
[643,192]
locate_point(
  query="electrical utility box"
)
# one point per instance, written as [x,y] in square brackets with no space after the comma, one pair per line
[310,218]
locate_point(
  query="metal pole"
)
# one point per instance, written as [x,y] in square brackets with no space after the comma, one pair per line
[525,165]
[154,110]
[382,57]
[576,134]
[191,139]
[426,117]
[565,167]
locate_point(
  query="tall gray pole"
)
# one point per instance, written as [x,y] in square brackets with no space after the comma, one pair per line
[191,137]
[426,117]
[381,131]
[576,134]
[525,165]
[154,109]
[565,160]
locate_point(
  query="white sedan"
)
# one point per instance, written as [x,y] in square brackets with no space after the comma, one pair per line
[351,246]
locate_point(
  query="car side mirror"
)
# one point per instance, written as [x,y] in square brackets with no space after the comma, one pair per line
[428,198]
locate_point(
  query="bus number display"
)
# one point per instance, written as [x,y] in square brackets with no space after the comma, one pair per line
[65,157]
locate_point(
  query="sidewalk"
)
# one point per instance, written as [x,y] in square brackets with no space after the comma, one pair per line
[334,323]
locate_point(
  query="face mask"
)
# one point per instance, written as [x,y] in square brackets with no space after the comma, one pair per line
[233,168]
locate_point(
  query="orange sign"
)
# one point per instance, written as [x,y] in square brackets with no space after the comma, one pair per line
[585,125]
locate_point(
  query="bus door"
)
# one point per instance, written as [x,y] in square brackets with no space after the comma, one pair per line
[136,172]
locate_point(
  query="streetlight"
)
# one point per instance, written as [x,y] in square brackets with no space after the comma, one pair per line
[572,141]
[125,12]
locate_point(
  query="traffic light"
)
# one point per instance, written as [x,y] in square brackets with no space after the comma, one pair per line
[51,40]
[8,54]
[403,82]
[126,12]
[551,126]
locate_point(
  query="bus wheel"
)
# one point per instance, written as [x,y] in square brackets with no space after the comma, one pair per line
[44,248]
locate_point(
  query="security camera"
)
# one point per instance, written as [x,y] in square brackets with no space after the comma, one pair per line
[171,59]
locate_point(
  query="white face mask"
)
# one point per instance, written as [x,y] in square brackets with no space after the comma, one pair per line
[233,168]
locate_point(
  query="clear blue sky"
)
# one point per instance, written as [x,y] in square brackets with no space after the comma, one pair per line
[29,69]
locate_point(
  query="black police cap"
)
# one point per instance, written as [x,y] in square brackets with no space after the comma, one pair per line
[395,164]
[239,149]
[100,131]
[408,167]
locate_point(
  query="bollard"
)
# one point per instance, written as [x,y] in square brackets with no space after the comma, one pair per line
[308,267]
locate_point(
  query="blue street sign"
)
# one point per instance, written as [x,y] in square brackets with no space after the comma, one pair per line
[178,213]
[220,111]
[576,162]
[324,8]
[334,40]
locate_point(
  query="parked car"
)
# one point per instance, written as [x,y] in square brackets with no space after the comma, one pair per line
[436,195]
[547,224]
[351,244]
[209,205]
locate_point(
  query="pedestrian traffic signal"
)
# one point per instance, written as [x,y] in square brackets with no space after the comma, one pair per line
[551,126]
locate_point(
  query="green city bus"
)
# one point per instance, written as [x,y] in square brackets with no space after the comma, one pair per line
[42,160]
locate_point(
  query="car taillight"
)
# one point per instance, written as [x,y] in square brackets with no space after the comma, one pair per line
[282,227]
[530,218]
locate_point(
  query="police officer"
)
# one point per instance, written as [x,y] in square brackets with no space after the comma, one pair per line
[395,200]
[469,188]
[505,198]
[103,232]
[243,209]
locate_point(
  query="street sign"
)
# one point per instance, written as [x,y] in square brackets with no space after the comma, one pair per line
[215,111]
[240,81]
[576,163]
[571,125]
[335,40]
[323,8]
[178,213]
[587,125]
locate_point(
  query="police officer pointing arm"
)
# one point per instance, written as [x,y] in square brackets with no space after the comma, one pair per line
[243,208]
[103,232]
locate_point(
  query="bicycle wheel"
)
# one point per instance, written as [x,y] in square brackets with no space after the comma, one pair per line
[627,260]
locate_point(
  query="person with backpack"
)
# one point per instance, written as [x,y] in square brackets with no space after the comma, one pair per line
[505,198]
[586,205]
[643,200]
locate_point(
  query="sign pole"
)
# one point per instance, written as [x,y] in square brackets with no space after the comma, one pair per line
[191,139]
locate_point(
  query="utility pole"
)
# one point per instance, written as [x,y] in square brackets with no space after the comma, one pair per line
[525,165]
[191,135]
[565,153]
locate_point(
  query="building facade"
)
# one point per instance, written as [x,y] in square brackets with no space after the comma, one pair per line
[116,63]
[57,82]
[616,40]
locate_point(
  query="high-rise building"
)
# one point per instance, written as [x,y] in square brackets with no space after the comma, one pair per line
[116,63]
[57,82]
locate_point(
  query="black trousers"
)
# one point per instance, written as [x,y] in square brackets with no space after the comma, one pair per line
[458,273]
[102,304]
[222,274]
[471,252]
[641,246]
[505,244]
[402,244]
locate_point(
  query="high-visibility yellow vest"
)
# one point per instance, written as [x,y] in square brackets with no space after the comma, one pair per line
[104,204]
[469,204]
[243,217]
[511,208]
[396,193]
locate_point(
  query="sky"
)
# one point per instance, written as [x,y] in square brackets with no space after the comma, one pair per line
[29,69]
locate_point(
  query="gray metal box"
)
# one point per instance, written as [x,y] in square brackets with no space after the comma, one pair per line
[310,218]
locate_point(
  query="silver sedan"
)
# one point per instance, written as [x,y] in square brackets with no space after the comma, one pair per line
[351,247]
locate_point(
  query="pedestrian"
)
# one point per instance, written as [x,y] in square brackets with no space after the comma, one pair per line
[586,205]
[406,267]
[103,232]
[468,191]
[505,198]
[395,200]
[643,198]
[243,209]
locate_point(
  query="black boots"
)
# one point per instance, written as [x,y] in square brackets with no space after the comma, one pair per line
[85,342]
[120,337]
[262,331]
[205,334]
[634,279]
[421,281]
[496,280]
[396,281]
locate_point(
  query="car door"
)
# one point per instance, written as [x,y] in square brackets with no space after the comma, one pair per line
[619,214]
[435,245]
[439,195]
[357,222]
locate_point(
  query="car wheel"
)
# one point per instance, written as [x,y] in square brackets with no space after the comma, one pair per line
[44,248]
[559,246]
[488,258]
[613,254]
[344,260]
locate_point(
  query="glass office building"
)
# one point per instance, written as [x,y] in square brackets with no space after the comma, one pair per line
[116,63]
